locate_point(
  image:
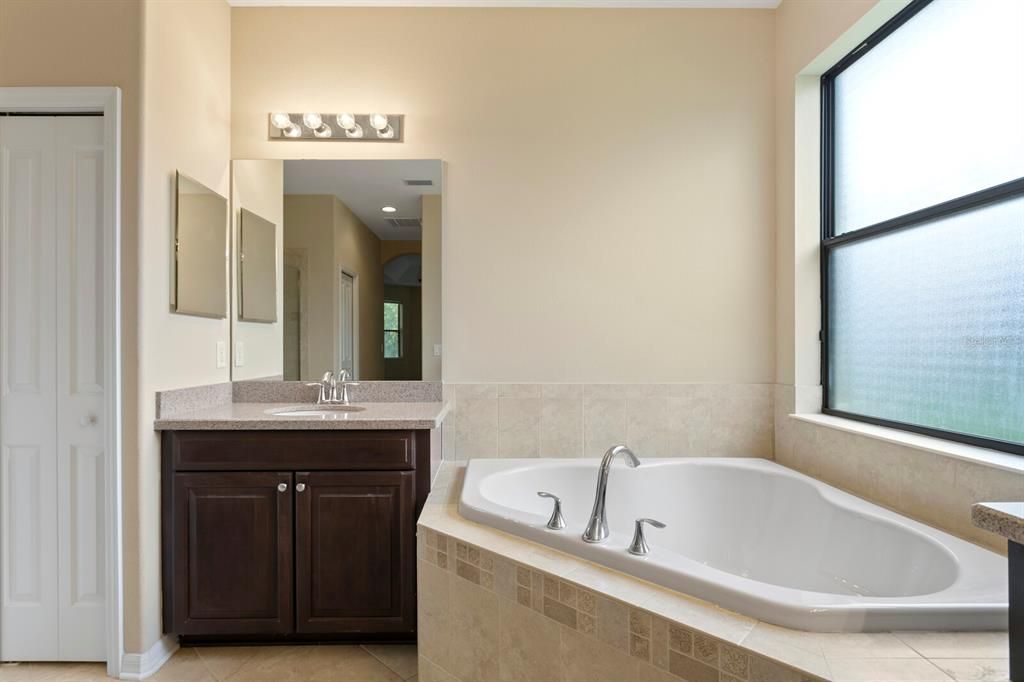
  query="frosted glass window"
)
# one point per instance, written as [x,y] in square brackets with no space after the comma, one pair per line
[933,112]
[928,324]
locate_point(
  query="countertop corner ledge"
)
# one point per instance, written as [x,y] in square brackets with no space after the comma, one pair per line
[1001,518]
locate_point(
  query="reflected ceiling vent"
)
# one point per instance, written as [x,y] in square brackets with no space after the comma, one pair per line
[419,183]
[403,222]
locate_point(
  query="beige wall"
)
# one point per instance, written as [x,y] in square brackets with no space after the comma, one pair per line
[803,29]
[389,248]
[309,232]
[609,188]
[186,127]
[259,187]
[357,250]
[332,237]
[431,285]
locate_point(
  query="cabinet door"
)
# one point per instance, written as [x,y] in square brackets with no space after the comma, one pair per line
[232,553]
[354,552]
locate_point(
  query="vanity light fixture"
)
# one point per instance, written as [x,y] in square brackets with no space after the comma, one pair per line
[389,209]
[281,121]
[343,127]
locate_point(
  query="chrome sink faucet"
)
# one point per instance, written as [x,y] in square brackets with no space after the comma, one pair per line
[597,529]
[342,380]
[326,386]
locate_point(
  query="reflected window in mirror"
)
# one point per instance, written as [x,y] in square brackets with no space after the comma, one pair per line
[392,330]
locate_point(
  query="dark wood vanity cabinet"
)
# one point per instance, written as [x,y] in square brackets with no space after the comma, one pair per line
[292,534]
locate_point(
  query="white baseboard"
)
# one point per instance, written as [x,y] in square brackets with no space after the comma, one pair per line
[141,666]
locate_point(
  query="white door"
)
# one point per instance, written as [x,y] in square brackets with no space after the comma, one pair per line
[51,389]
[346,325]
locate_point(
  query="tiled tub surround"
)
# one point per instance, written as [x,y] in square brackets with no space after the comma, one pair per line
[494,607]
[755,537]
[936,489]
[582,420]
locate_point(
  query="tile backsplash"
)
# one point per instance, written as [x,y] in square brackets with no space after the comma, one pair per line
[584,420]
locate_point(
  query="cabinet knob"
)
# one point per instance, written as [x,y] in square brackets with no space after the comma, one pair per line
[281,487]
[299,487]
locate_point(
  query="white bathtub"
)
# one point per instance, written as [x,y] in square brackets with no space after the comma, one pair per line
[757,538]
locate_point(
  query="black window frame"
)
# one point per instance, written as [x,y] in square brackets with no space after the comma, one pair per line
[829,240]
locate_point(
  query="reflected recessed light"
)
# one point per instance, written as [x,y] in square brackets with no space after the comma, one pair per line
[389,209]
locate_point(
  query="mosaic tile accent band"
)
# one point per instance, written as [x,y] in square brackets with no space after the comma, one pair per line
[506,621]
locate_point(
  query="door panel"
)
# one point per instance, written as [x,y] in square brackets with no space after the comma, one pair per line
[29,617]
[80,369]
[233,553]
[354,552]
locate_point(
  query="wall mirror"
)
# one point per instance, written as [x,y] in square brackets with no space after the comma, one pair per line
[199,271]
[257,268]
[357,258]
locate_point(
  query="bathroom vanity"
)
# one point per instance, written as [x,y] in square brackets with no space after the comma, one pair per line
[278,527]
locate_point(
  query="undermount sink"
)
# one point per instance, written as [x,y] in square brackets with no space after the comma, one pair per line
[335,411]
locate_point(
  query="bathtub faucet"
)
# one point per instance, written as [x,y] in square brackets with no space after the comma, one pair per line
[597,529]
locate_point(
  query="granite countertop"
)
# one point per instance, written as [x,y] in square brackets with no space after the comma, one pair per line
[1002,518]
[257,416]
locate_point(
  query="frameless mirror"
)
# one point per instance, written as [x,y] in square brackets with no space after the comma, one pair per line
[257,268]
[358,258]
[200,250]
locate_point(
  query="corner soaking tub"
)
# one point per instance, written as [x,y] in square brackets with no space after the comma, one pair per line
[757,538]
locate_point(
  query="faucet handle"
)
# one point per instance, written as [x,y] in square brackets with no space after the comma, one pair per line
[639,545]
[556,522]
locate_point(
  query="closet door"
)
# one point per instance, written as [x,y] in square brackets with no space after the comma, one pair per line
[51,349]
[81,459]
[28,402]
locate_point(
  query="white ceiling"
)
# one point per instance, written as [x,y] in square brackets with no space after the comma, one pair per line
[366,187]
[628,4]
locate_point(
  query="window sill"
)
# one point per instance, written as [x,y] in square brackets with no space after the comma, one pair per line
[939,446]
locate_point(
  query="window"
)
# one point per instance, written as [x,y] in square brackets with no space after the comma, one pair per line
[923,225]
[392,330]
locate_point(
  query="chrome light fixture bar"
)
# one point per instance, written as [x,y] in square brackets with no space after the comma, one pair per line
[342,127]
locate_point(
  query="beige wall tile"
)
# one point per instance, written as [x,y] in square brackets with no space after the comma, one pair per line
[958,644]
[519,391]
[562,391]
[975,669]
[647,425]
[476,428]
[473,652]
[519,426]
[585,659]
[561,426]
[763,670]
[604,423]
[528,645]
[612,623]
[889,669]
[433,613]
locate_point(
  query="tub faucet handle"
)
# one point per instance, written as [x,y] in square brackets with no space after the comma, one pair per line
[556,522]
[639,545]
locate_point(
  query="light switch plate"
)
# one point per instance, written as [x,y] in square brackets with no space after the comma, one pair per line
[222,354]
[437,350]
[240,354]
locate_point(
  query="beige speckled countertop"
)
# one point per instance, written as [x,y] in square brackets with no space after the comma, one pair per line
[257,416]
[1003,518]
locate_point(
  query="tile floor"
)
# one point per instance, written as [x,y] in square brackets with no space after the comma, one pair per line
[326,663]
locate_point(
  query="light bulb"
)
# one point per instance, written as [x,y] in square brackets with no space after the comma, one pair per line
[389,209]
[386,134]
[312,121]
[281,121]
[293,131]
[323,131]
[346,121]
[378,121]
[355,132]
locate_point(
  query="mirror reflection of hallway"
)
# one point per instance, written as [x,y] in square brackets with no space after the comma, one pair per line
[403,358]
